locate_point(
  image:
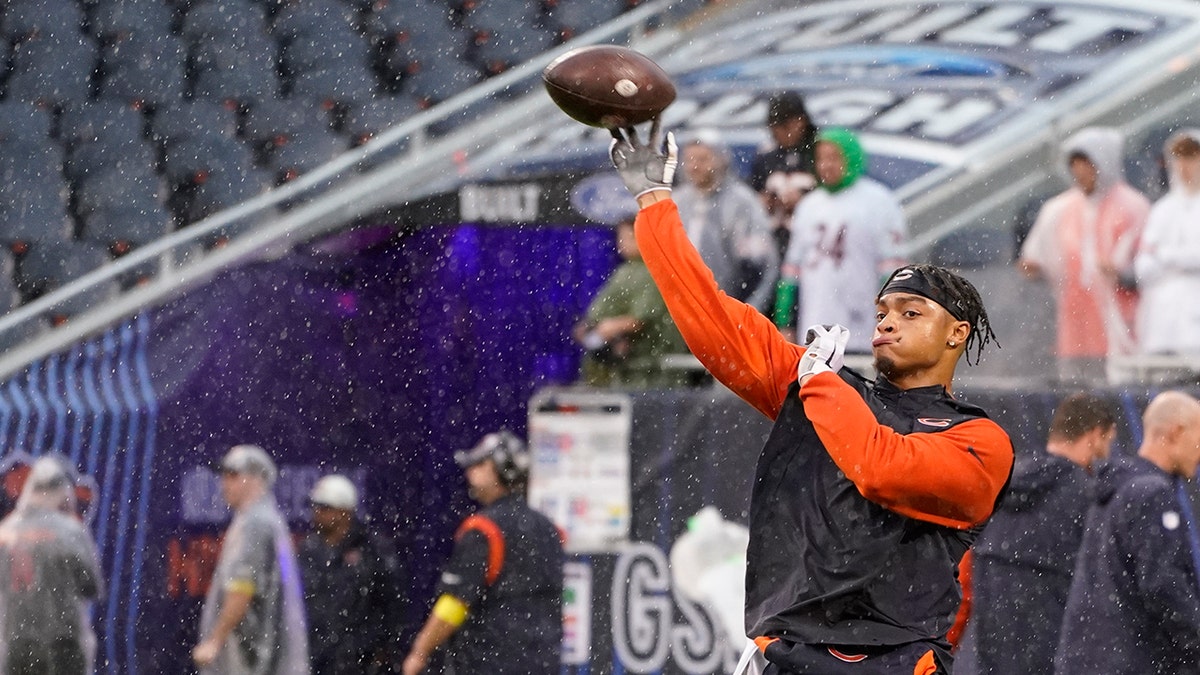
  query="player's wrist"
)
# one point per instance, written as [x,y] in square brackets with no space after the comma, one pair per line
[653,196]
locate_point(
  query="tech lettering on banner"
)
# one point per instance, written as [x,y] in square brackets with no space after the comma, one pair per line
[643,611]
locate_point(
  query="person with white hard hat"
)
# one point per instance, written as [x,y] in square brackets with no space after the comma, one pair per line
[351,585]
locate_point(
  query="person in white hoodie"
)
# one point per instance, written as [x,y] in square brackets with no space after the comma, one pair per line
[1083,243]
[1168,259]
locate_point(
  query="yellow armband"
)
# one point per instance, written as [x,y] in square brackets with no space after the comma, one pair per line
[450,609]
[240,586]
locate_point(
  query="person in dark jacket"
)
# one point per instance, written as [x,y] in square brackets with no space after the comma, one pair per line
[785,173]
[1134,604]
[867,493]
[351,585]
[499,605]
[1023,560]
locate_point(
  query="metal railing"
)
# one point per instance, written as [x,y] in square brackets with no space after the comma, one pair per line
[332,196]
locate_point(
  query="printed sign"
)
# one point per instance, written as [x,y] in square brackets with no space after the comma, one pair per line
[580,473]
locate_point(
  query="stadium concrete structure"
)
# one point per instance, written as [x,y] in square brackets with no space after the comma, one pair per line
[373,313]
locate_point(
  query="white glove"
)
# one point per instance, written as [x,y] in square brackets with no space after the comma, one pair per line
[825,350]
[642,168]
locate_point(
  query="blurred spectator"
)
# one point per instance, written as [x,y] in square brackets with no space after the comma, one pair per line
[1083,243]
[1024,558]
[1133,607]
[627,330]
[1168,260]
[499,606]
[847,236]
[253,617]
[351,586]
[49,573]
[727,223]
[783,174]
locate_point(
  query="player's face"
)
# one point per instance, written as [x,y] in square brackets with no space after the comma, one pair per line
[830,163]
[911,334]
[1084,173]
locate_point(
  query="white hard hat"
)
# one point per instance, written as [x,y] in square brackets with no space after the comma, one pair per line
[335,492]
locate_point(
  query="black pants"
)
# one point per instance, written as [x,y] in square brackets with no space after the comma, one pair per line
[58,657]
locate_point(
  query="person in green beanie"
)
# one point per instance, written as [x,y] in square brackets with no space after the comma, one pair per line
[847,235]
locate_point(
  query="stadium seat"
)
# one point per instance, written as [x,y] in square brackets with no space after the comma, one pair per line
[143,71]
[235,78]
[439,79]
[314,19]
[365,120]
[389,18]
[86,122]
[48,267]
[112,18]
[574,17]
[272,122]
[51,70]
[222,189]
[123,190]
[305,152]
[343,83]
[223,21]
[190,119]
[26,18]
[121,228]
[110,153]
[314,52]
[189,161]
[499,15]
[28,228]
[21,120]
[497,51]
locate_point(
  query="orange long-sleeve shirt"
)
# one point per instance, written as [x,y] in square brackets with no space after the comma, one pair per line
[948,477]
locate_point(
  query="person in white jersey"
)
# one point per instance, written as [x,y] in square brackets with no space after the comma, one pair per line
[847,235]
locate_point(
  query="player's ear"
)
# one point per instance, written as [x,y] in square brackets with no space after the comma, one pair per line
[959,332]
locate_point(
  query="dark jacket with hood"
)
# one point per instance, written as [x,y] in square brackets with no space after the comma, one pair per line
[1023,561]
[1134,606]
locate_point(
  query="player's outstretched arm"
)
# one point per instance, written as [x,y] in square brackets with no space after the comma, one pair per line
[736,343]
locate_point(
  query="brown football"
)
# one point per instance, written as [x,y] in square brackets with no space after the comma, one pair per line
[608,86]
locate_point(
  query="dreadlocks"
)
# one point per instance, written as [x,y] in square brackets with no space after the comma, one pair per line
[952,292]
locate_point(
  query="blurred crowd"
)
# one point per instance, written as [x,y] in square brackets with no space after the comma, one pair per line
[807,237]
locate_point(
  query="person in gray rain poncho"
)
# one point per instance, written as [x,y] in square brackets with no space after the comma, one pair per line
[48,575]
[253,617]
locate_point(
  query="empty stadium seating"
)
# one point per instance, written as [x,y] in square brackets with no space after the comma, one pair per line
[122,120]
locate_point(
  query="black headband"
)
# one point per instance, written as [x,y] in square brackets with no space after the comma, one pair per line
[914,280]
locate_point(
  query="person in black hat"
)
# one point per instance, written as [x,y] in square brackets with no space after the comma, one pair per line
[867,493]
[784,173]
[499,604]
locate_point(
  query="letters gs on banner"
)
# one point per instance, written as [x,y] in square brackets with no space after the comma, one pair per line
[644,628]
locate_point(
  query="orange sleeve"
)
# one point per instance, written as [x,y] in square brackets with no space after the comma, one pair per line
[949,478]
[737,344]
